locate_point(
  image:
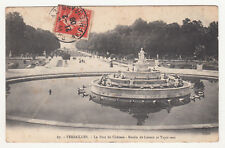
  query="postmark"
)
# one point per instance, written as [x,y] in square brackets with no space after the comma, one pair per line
[66,38]
[72,23]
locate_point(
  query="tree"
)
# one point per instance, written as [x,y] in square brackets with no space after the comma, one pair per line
[199,52]
[24,39]
[167,40]
[211,40]
[15,28]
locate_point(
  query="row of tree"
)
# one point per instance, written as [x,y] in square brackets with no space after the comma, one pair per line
[22,39]
[189,40]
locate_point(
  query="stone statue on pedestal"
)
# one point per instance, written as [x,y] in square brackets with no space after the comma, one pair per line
[141,56]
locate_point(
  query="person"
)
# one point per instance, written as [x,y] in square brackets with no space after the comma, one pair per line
[50,91]
[122,76]
[111,63]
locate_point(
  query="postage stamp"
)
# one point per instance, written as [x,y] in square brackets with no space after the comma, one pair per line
[73,21]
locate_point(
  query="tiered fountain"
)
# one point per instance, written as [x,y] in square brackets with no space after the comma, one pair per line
[143,83]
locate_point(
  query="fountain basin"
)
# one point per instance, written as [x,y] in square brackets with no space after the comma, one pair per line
[30,99]
[133,93]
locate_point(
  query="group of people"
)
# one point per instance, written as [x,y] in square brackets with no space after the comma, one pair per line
[119,75]
[81,61]
[132,69]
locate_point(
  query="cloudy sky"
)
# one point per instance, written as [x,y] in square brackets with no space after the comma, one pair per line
[107,18]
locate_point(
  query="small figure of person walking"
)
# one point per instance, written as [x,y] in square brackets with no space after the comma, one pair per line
[111,63]
[50,91]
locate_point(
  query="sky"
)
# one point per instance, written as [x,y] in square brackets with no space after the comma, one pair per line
[107,18]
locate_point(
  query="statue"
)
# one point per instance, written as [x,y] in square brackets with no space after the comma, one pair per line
[141,55]
[44,53]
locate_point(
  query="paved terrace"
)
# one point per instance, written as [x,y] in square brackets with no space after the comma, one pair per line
[92,65]
[72,66]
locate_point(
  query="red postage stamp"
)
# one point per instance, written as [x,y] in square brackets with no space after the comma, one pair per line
[74,21]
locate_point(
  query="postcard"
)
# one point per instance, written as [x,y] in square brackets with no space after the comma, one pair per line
[112,74]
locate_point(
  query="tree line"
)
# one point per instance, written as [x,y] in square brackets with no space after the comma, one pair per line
[191,40]
[22,39]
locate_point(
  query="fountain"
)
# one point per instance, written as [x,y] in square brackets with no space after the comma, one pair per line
[142,83]
[139,96]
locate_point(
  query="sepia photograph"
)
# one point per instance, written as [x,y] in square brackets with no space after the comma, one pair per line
[112,74]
